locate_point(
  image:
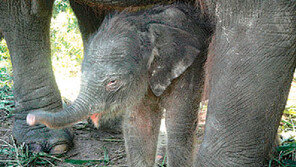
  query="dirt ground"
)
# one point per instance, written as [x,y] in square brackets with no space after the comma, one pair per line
[91,143]
[94,144]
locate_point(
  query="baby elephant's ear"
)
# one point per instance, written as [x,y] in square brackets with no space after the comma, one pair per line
[174,51]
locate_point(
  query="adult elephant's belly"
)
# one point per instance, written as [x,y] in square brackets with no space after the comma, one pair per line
[121,3]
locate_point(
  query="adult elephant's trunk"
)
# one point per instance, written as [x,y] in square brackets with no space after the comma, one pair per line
[78,111]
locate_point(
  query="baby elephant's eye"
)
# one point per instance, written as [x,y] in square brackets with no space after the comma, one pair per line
[112,82]
[113,85]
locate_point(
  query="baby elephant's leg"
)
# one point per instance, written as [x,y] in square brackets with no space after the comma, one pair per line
[140,128]
[181,106]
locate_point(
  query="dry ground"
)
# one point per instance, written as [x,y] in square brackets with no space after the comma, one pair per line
[93,144]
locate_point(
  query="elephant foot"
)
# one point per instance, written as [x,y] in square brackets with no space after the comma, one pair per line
[40,138]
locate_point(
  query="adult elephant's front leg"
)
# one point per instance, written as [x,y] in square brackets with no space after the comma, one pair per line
[26,30]
[140,128]
[253,68]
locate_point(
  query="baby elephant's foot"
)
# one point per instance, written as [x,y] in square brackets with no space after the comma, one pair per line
[40,138]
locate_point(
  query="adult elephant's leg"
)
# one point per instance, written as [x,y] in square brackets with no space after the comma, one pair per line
[26,30]
[140,128]
[252,72]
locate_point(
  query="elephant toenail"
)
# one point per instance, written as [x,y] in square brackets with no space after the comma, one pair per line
[59,149]
[31,119]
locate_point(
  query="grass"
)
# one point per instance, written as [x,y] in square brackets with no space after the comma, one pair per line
[19,155]
[286,155]
[6,96]
[286,152]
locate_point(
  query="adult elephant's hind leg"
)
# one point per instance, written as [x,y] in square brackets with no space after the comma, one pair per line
[25,25]
[140,128]
[1,35]
[253,68]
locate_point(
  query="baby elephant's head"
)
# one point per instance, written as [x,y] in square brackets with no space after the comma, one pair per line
[115,67]
[122,61]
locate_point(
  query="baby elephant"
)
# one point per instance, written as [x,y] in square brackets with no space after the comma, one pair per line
[143,63]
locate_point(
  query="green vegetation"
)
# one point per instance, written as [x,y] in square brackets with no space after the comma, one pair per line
[5,65]
[21,156]
[286,151]
[66,43]
[67,54]
[6,97]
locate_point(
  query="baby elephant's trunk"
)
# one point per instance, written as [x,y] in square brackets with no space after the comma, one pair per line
[68,116]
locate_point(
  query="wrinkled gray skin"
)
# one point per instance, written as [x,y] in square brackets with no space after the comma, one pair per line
[140,63]
[254,49]
[25,26]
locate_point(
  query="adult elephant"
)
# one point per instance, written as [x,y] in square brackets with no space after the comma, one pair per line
[252,70]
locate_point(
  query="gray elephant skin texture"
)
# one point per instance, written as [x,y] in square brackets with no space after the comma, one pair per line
[139,63]
[253,43]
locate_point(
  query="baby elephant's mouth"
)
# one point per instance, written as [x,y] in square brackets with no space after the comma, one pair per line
[95,119]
